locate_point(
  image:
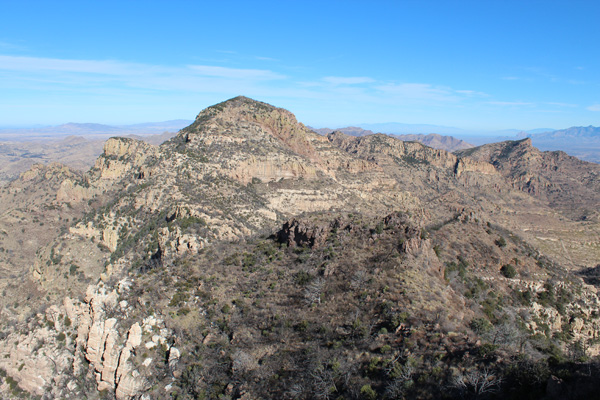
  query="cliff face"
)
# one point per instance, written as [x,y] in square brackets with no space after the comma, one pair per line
[236,240]
[562,181]
[95,339]
[250,140]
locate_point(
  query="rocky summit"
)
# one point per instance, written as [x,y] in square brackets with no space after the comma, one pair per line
[249,257]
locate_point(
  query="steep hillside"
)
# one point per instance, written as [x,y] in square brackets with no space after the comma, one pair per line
[433,140]
[564,182]
[32,215]
[580,141]
[436,141]
[249,257]
[77,152]
[349,130]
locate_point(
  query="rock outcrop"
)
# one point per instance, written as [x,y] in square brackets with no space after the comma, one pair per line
[388,250]
[108,351]
[124,156]
[553,177]
[49,359]
[304,233]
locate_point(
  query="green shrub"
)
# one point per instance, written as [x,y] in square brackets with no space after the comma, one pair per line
[302,326]
[524,297]
[178,298]
[302,278]
[451,267]
[368,393]
[249,261]
[508,271]
[183,311]
[480,325]
[487,350]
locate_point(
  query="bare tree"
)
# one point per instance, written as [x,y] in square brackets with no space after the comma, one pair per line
[323,383]
[578,350]
[359,279]
[296,391]
[401,377]
[476,383]
[312,293]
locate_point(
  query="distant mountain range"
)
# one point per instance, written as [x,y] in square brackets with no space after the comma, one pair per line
[582,142]
[94,130]
[574,131]
[407,129]
[249,257]
[412,129]
[433,140]
[579,141]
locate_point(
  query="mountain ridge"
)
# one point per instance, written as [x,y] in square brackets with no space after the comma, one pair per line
[249,249]
[434,140]
[91,129]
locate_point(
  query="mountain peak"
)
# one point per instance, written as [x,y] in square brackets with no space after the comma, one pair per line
[525,142]
[239,108]
[241,102]
[251,244]
[243,131]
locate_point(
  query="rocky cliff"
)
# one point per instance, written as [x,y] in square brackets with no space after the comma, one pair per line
[562,181]
[248,249]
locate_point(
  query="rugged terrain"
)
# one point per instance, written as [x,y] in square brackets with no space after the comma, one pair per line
[249,257]
[580,141]
[77,152]
[433,140]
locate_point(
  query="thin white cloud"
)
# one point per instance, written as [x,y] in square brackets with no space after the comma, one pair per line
[510,78]
[265,58]
[550,111]
[92,76]
[354,80]
[234,73]
[561,104]
[419,92]
[472,93]
[33,64]
[108,82]
[541,72]
[103,77]
[118,68]
[10,46]
[310,84]
[510,103]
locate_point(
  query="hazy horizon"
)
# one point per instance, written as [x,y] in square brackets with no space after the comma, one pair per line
[476,65]
[413,128]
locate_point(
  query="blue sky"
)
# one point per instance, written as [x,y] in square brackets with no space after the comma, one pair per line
[480,65]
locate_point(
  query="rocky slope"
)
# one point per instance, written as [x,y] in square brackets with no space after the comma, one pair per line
[248,250]
[432,140]
[17,154]
[563,181]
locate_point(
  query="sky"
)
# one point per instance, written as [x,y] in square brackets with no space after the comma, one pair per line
[477,65]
